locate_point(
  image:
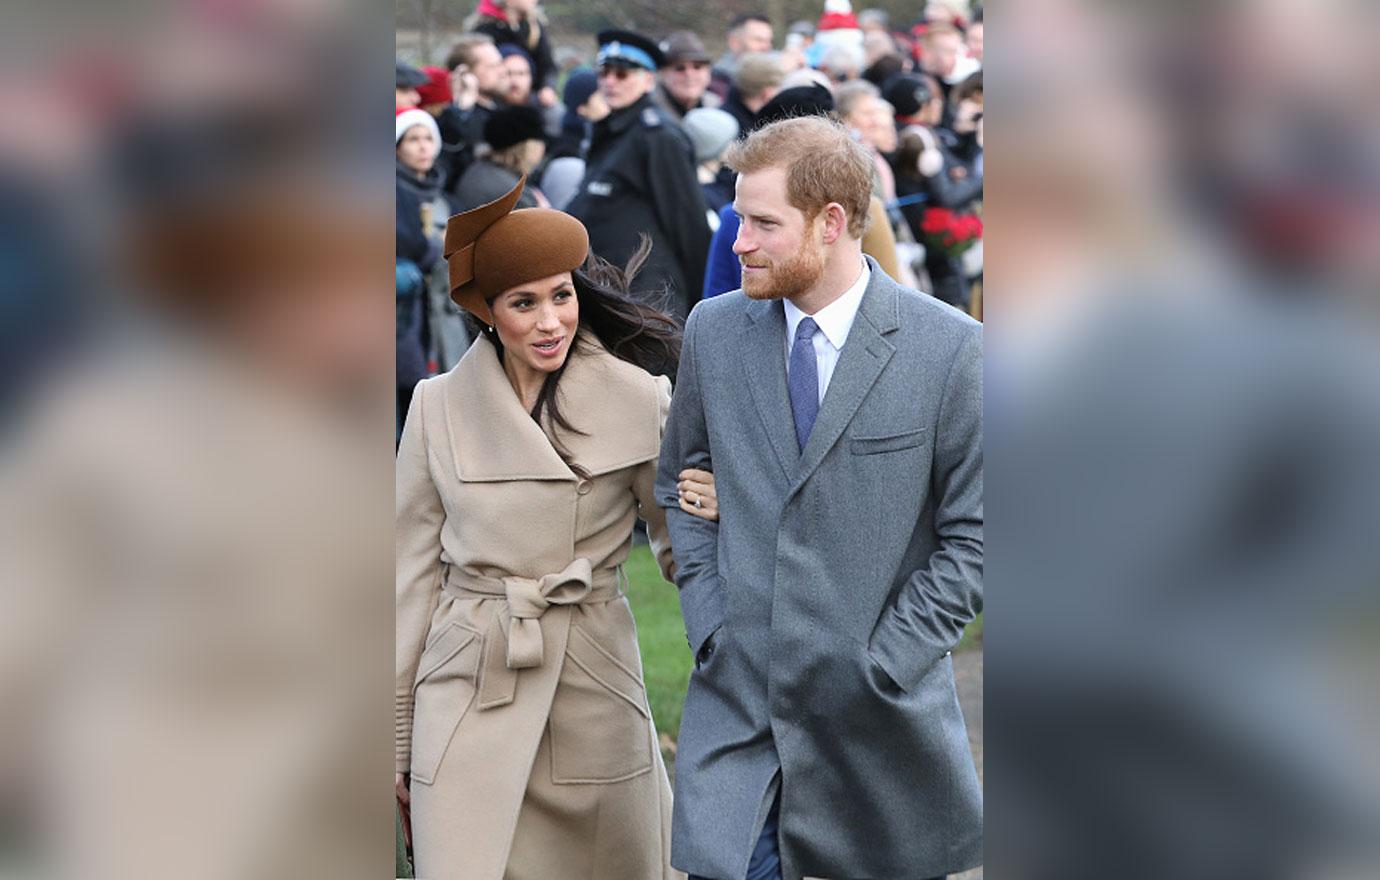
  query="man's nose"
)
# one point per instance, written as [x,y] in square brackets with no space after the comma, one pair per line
[743,244]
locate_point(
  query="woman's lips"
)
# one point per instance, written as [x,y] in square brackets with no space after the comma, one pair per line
[548,347]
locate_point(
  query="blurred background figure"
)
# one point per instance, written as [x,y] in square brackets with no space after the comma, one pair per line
[871,121]
[585,105]
[747,32]
[757,81]
[1182,485]
[640,180]
[515,148]
[408,80]
[838,44]
[421,215]
[938,177]
[434,95]
[522,24]
[973,38]
[841,63]
[943,57]
[795,52]
[711,131]
[683,82]
[874,21]
[479,84]
[518,64]
[194,505]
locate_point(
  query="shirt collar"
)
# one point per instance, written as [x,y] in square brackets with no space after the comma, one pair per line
[835,319]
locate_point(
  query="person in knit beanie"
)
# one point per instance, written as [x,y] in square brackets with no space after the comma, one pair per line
[420,210]
[435,94]
[514,138]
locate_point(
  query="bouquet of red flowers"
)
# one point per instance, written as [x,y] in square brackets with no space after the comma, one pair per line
[953,233]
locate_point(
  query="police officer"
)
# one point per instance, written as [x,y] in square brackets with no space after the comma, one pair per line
[640,178]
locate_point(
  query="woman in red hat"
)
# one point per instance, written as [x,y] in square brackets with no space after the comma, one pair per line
[525,745]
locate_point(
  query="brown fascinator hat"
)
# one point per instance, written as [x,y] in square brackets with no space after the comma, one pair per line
[493,248]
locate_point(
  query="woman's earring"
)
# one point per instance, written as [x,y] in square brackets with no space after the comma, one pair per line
[491,328]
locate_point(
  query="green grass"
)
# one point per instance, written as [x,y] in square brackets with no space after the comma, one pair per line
[666,660]
[972,636]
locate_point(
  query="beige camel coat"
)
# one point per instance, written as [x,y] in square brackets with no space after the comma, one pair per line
[521,712]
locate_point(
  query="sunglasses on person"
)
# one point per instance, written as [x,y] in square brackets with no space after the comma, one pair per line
[617,71]
[687,66]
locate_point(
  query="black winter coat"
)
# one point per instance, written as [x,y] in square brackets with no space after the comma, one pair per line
[414,244]
[640,178]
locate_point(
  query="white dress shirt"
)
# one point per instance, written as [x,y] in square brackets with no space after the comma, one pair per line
[834,320]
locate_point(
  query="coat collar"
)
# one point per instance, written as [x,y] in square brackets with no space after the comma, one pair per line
[620,121]
[493,438]
[861,361]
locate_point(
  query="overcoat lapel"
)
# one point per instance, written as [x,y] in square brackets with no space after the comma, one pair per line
[763,350]
[493,439]
[865,354]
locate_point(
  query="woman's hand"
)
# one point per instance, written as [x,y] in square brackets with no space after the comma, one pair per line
[697,495]
[404,805]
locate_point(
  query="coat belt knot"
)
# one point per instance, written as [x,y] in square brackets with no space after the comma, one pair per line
[528,599]
[514,637]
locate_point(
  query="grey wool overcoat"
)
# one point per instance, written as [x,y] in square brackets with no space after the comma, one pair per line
[521,712]
[830,593]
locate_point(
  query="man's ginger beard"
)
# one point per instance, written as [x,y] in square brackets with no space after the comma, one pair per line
[790,278]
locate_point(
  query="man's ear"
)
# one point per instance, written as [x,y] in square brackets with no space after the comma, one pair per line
[835,222]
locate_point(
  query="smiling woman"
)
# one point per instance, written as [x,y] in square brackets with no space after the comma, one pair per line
[536,323]
[514,519]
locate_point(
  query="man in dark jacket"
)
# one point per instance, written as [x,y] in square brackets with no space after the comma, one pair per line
[478,83]
[640,179]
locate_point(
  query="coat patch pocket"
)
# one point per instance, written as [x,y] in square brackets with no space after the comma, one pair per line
[893,443]
[600,726]
[444,690]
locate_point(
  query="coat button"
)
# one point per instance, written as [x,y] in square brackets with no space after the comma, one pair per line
[584,486]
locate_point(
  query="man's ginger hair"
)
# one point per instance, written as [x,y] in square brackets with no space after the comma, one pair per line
[823,164]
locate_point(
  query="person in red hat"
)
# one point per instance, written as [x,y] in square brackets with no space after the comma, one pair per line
[435,94]
[525,748]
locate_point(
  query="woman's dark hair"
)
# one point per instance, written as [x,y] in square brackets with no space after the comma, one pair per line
[632,331]
[970,86]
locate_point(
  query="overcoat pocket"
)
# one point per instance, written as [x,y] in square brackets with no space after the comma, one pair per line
[892,443]
[444,690]
[600,725]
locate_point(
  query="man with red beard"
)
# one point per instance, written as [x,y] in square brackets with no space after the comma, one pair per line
[841,414]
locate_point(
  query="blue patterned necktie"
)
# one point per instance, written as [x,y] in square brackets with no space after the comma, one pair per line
[803,380]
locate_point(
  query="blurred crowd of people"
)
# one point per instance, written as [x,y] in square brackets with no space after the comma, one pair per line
[629,141]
